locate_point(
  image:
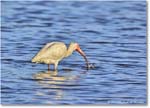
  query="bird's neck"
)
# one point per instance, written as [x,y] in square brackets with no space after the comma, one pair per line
[69,51]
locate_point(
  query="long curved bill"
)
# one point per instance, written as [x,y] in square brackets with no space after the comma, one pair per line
[84,56]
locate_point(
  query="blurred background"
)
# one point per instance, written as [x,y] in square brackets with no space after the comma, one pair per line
[112,34]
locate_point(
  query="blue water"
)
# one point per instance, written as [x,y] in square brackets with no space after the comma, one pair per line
[112,34]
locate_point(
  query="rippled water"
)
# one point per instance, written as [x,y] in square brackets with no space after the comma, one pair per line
[112,34]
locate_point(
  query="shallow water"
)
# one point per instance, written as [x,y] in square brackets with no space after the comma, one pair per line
[112,34]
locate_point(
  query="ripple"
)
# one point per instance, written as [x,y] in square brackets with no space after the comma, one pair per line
[91,31]
[115,43]
[124,65]
[129,29]
[127,50]
[48,24]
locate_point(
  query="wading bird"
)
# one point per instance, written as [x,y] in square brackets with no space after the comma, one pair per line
[54,52]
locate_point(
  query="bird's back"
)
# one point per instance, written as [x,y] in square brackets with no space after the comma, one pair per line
[51,51]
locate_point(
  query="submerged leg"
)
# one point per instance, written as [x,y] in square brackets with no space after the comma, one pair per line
[56,64]
[48,67]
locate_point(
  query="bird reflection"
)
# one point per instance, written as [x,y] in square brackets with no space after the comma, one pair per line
[54,83]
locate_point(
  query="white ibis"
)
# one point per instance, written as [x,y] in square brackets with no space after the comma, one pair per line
[54,52]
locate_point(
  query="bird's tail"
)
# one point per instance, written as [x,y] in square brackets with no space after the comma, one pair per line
[34,60]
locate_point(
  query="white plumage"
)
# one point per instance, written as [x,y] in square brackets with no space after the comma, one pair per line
[53,52]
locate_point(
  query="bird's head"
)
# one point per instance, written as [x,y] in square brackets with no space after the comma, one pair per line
[77,48]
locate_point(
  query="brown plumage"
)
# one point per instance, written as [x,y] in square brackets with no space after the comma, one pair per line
[53,52]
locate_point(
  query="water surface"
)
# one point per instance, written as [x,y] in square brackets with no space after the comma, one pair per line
[112,34]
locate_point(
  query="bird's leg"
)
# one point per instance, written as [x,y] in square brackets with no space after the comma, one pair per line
[56,64]
[48,67]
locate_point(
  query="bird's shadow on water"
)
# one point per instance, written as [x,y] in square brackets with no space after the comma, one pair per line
[56,76]
[57,82]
